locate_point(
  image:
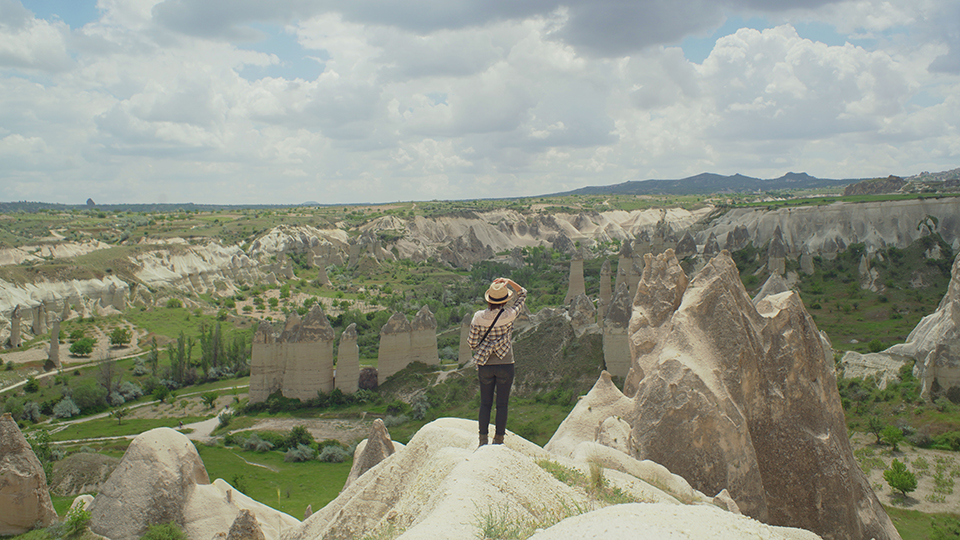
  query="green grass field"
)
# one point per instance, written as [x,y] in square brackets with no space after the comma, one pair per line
[266,477]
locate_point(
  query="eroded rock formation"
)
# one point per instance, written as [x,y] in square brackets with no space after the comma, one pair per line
[606,291]
[15,319]
[576,286]
[348,361]
[423,338]
[375,448]
[616,342]
[758,380]
[24,498]
[935,345]
[161,479]
[53,354]
[583,316]
[394,352]
[298,362]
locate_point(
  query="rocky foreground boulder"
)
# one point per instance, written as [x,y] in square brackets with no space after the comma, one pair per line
[161,479]
[442,486]
[24,498]
[733,396]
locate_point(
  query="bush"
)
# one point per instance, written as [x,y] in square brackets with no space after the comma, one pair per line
[130,390]
[31,412]
[947,441]
[225,418]
[66,408]
[333,454]
[899,478]
[875,346]
[257,444]
[139,367]
[115,399]
[120,336]
[165,531]
[391,421]
[82,346]
[77,520]
[174,303]
[298,436]
[299,454]
[32,385]
[90,397]
[892,436]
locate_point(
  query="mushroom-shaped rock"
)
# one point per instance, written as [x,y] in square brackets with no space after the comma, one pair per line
[24,498]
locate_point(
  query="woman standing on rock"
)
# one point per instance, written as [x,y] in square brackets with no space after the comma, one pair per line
[491,339]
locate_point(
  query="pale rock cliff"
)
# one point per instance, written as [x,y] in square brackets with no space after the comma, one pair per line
[348,361]
[575,285]
[298,362]
[423,338]
[616,341]
[24,498]
[827,229]
[394,352]
[161,479]
[606,290]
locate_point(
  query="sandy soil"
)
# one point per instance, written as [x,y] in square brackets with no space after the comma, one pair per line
[920,499]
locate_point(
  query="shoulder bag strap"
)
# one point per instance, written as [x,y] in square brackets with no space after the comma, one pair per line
[490,327]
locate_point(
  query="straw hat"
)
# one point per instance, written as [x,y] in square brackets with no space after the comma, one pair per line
[498,293]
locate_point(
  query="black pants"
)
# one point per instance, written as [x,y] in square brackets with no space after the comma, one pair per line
[497,377]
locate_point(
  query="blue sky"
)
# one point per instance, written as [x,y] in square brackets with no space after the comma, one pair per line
[242,101]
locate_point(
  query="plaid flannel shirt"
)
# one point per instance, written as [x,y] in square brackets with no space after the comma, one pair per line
[498,342]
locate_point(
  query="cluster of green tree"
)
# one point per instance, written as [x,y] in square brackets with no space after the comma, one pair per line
[298,445]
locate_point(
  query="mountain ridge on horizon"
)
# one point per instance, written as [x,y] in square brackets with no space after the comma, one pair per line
[706,182]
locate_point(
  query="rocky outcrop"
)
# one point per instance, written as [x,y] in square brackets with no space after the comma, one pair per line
[583,316]
[298,362]
[161,479]
[686,247]
[394,352]
[616,341]
[465,354]
[15,319]
[441,484]
[769,426]
[777,253]
[348,361]
[935,345]
[423,338]
[83,472]
[245,527]
[883,367]
[24,499]
[774,285]
[575,285]
[53,353]
[606,291]
[875,186]
[658,295]
[369,452]
[827,229]
[806,264]
[463,251]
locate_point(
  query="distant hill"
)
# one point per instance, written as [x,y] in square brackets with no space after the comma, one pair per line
[711,183]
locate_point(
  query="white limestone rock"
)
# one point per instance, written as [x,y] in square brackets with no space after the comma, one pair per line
[884,367]
[616,339]
[375,448]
